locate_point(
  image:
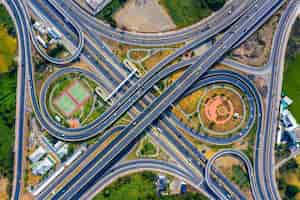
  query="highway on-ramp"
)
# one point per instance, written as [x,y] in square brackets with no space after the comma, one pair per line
[132,132]
[153,111]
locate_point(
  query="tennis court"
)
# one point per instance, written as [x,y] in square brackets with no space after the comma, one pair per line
[79,92]
[72,98]
[65,104]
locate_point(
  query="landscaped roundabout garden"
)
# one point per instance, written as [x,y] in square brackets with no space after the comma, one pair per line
[220,110]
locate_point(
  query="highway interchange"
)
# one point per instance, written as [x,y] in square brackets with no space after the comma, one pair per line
[246,17]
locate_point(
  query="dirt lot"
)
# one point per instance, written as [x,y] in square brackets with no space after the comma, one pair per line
[144,16]
[256,50]
[3,189]
[189,103]
[27,196]
[155,59]
[226,163]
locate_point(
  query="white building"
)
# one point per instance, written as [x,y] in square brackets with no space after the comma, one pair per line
[42,42]
[58,145]
[55,34]
[94,4]
[43,166]
[297,134]
[279,134]
[57,118]
[37,154]
[288,120]
[52,41]
[40,28]
[287,100]
[62,151]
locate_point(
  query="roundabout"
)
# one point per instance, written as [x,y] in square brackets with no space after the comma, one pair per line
[250,94]
[219,110]
[222,110]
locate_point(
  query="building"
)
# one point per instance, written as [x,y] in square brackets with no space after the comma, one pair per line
[297,134]
[288,125]
[37,154]
[42,167]
[162,184]
[288,120]
[52,41]
[58,145]
[97,5]
[285,102]
[62,151]
[279,134]
[41,41]
[183,188]
[54,34]
[39,27]
[292,136]
[94,4]
[57,118]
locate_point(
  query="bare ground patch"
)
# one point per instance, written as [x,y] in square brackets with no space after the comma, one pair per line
[3,189]
[144,16]
[256,50]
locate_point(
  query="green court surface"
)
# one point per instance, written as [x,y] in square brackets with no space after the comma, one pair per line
[65,104]
[79,92]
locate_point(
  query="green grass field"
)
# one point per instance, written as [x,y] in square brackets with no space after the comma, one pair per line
[66,103]
[107,13]
[240,177]
[78,98]
[291,81]
[6,20]
[140,186]
[288,180]
[291,84]
[8,44]
[188,12]
[148,148]
[134,187]
[8,49]
[7,121]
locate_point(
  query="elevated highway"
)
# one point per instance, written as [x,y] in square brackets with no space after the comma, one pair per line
[58,61]
[204,29]
[264,151]
[105,120]
[240,156]
[134,130]
[200,67]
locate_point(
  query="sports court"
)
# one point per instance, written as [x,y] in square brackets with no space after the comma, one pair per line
[78,92]
[72,98]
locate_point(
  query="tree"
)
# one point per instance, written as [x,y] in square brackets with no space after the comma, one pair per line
[106,193]
[290,166]
[291,191]
[215,4]
[282,184]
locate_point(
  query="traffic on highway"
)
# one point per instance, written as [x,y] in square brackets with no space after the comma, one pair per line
[100,104]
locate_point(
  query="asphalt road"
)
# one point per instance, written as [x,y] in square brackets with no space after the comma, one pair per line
[132,132]
[264,165]
[220,20]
